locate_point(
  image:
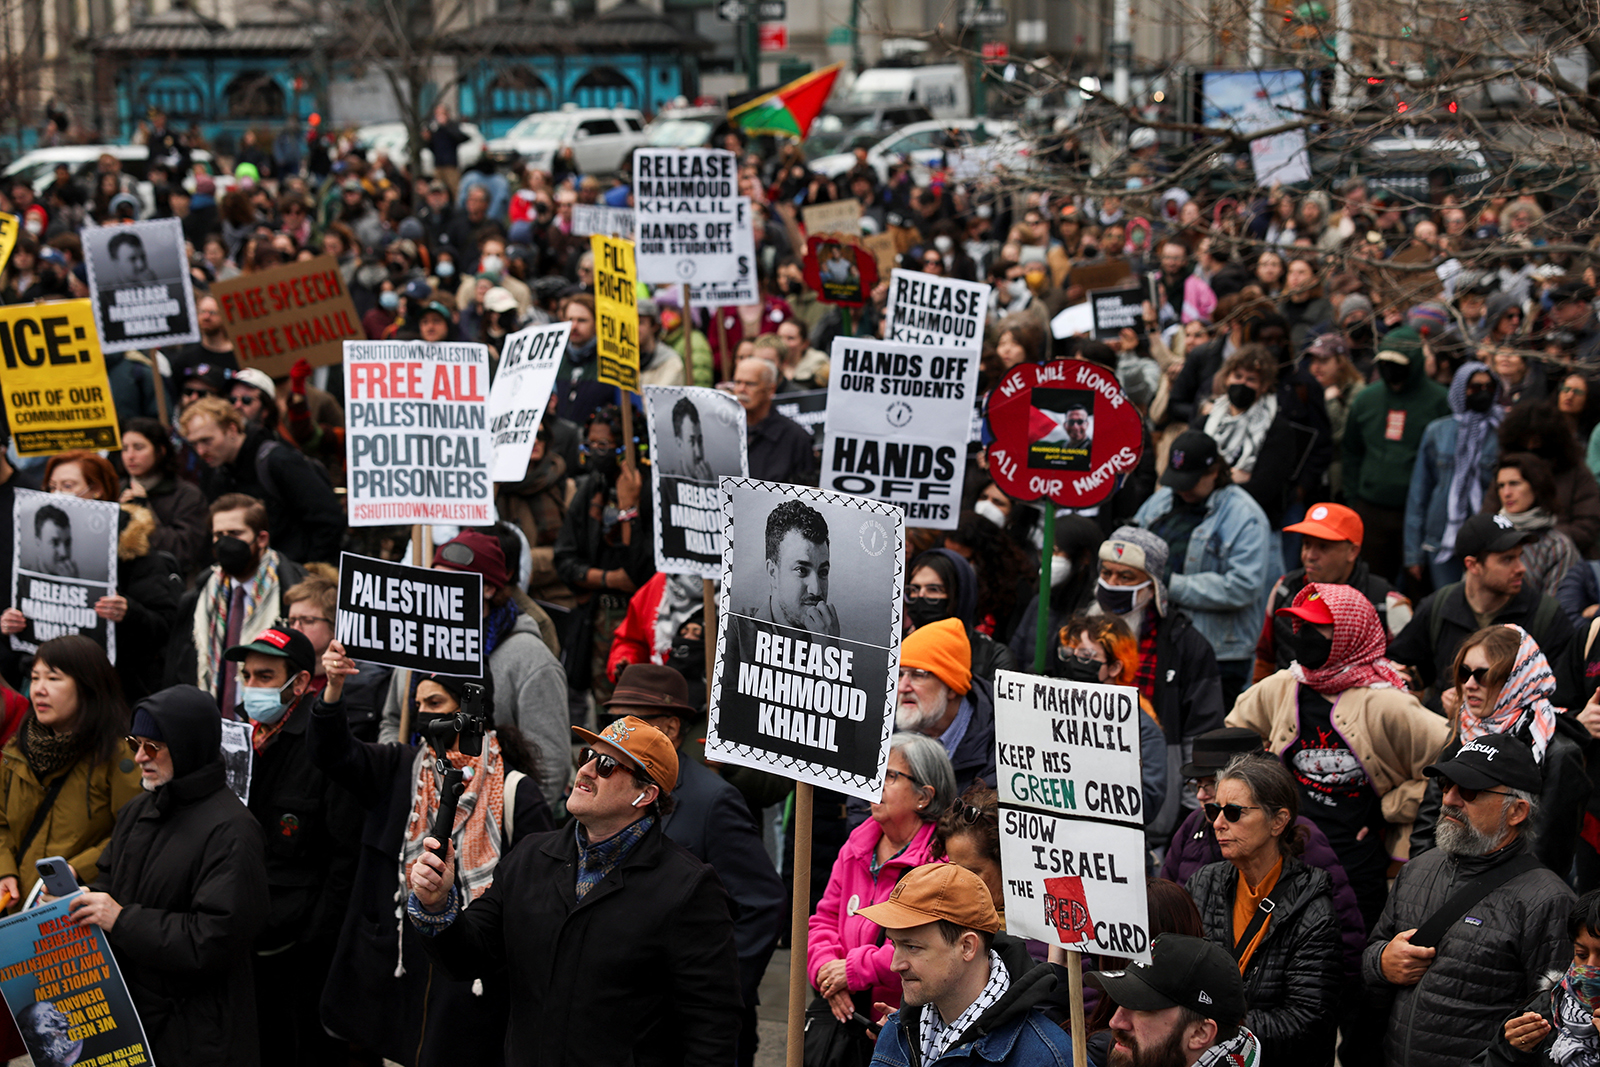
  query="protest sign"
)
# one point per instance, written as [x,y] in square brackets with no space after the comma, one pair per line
[1071,812]
[1100,275]
[64,559]
[925,310]
[838,216]
[741,290]
[1079,318]
[839,269]
[881,245]
[296,311]
[140,285]
[616,312]
[809,647]
[58,397]
[809,408]
[591,219]
[529,360]
[1062,430]
[696,437]
[10,227]
[417,441]
[1116,310]
[898,421]
[65,990]
[413,617]
[685,203]
[238,756]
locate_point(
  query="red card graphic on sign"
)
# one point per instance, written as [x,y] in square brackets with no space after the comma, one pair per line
[1066,909]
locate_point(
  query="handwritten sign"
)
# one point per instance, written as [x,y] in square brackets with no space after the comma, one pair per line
[297,311]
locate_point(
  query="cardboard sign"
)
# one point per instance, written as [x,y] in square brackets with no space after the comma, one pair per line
[686,203]
[10,228]
[809,648]
[1064,431]
[841,216]
[928,310]
[1116,310]
[140,286]
[591,219]
[839,270]
[66,992]
[1100,274]
[57,395]
[417,441]
[881,245]
[529,360]
[413,617]
[616,312]
[696,437]
[809,408]
[897,426]
[63,560]
[296,311]
[739,291]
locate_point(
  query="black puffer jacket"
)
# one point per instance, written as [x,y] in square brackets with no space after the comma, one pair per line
[1489,961]
[1293,978]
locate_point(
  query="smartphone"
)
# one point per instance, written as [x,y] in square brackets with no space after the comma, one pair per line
[56,874]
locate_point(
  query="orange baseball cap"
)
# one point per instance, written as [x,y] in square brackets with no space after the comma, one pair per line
[1312,609]
[647,747]
[937,891]
[1331,522]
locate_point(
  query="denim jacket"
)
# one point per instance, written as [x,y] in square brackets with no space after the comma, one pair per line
[1014,1032]
[1428,502]
[1224,580]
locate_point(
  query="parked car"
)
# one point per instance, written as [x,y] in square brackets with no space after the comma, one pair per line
[601,138]
[685,127]
[941,88]
[394,141]
[38,167]
[844,129]
[987,145]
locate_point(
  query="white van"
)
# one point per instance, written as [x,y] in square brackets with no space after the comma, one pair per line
[942,89]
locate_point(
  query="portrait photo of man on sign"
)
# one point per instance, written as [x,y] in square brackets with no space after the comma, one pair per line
[797,566]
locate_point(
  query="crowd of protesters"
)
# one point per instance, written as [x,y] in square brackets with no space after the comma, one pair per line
[1355,580]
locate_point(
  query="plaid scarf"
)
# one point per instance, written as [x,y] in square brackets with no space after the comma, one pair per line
[937,1038]
[1524,702]
[598,860]
[1144,679]
[211,618]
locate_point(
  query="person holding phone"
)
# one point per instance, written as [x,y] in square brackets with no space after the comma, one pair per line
[65,774]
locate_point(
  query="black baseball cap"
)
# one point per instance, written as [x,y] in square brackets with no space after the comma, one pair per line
[1571,290]
[1193,456]
[1483,534]
[1214,748]
[284,642]
[1184,972]
[1495,759]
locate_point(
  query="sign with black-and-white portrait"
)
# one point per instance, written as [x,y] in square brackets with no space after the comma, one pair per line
[809,645]
[696,437]
[64,559]
[139,284]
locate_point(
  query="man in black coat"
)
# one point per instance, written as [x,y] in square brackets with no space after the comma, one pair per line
[616,941]
[712,821]
[307,522]
[182,889]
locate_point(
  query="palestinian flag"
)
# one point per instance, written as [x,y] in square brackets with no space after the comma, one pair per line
[788,110]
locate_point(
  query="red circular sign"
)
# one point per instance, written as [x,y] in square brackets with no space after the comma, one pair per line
[1063,431]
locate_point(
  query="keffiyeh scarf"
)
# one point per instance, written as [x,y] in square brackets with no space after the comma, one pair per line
[937,1038]
[1243,1050]
[1473,431]
[1239,436]
[1359,643]
[1572,1005]
[1524,701]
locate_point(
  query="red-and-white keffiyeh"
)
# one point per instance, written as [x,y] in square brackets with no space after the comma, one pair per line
[1524,701]
[1359,644]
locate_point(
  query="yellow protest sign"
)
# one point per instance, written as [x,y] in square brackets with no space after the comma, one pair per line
[54,379]
[10,227]
[616,312]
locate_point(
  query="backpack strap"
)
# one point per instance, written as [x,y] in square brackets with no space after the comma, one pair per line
[264,468]
[1436,612]
[1543,614]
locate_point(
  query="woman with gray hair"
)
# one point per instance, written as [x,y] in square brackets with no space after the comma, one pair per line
[1273,912]
[847,958]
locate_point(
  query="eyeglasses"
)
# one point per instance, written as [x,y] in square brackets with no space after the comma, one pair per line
[1468,795]
[916,676]
[1477,674]
[1231,812]
[198,392]
[302,621]
[1565,389]
[604,766]
[969,813]
[151,749]
[891,774]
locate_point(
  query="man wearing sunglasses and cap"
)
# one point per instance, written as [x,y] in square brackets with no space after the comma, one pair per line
[1185,1008]
[1481,953]
[617,943]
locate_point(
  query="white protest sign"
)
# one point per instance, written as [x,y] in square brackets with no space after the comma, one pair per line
[522,383]
[417,441]
[1079,318]
[898,421]
[686,205]
[591,219]
[63,561]
[741,290]
[1072,813]
[925,310]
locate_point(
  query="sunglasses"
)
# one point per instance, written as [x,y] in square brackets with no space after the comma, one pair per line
[198,392]
[1467,795]
[151,749]
[1231,812]
[1477,674]
[969,814]
[604,766]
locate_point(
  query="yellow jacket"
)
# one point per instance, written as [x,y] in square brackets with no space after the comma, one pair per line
[78,826]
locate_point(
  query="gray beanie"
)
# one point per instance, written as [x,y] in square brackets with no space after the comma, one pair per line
[1353,303]
[1136,547]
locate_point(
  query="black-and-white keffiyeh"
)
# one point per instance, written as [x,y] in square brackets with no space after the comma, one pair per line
[1239,437]
[1242,1051]
[937,1037]
[1573,1003]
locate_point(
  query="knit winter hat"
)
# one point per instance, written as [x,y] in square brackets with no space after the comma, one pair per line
[1429,318]
[1136,547]
[1353,303]
[941,647]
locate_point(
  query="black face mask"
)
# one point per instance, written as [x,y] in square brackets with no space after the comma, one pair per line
[792,287]
[1117,599]
[1360,334]
[1241,396]
[1480,400]
[1080,670]
[688,658]
[1395,374]
[1309,648]
[605,464]
[923,610]
[235,557]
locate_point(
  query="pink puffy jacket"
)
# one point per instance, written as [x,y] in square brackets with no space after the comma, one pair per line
[838,933]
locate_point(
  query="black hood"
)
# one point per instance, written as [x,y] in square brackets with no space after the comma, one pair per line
[192,729]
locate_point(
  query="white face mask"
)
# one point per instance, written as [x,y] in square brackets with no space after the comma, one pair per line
[1060,570]
[943,244]
[988,509]
[491,265]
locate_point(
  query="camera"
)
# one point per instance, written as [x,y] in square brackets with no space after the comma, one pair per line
[467,723]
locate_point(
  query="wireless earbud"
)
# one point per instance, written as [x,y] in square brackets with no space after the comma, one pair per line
[636,800]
